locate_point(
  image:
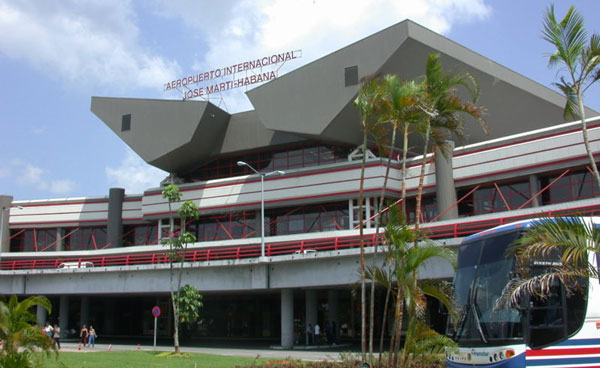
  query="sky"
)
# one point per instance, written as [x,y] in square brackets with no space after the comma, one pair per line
[55,55]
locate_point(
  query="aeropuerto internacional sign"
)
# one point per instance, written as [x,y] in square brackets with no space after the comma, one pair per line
[228,76]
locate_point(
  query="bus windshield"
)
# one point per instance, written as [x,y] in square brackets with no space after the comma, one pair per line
[482,273]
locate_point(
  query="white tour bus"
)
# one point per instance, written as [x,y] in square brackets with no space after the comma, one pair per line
[562,330]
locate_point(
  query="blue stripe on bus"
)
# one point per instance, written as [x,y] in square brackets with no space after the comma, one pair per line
[576,342]
[562,362]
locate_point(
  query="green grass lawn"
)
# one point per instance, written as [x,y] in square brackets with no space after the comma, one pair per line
[143,359]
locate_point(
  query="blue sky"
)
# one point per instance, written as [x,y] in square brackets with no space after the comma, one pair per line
[55,55]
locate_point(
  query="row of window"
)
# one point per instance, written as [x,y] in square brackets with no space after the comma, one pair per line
[302,155]
[280,221]
[312,218]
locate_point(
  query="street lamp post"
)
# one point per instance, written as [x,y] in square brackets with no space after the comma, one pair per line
[262,201]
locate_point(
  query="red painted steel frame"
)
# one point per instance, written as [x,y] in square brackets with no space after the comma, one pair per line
[280,248]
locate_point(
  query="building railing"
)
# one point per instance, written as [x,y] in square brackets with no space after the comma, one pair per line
[444,231]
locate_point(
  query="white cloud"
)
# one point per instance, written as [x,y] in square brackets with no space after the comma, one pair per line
[239,30]
[63,186]
[91,42]
[134,175]
[29,175]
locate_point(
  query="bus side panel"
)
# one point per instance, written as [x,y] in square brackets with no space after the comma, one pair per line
[514,362]
[583,349]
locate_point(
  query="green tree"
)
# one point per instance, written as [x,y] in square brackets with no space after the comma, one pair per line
[397,108]
[579,59]
[20,337]
[570,238]
[369,93]
[410,292]
[186,300]
[444,112]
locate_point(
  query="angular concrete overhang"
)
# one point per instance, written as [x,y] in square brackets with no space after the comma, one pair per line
[313,100]
[172,135]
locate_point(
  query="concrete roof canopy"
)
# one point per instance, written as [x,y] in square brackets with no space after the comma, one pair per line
[315,102]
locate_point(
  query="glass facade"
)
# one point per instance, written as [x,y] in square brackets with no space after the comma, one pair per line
[487,199]
[490,198]
[90,238]
[291,157]
[576,185]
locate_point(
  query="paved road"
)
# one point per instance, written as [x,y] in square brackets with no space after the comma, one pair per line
[317,354]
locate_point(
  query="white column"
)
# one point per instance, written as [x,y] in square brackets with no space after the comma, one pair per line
[310,309]
[287,318]
[41,315]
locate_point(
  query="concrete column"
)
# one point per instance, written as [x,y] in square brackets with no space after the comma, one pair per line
[311,310]
[114,232]
[333,312]
[41,315]
[287,318]
[85,311]
[534,186]
[5,202]
[63,315]
[60,242]
[444,181]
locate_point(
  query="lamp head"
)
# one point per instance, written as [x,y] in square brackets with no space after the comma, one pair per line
[241,163]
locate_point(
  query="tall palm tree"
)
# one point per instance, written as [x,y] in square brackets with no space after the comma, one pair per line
[369,93]
[397,106]
[570,238]
[444,111]
[580,59]
[20,336]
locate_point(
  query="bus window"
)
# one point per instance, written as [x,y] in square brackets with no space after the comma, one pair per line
[558,316]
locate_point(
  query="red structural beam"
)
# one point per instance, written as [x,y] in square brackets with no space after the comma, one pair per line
[46,261]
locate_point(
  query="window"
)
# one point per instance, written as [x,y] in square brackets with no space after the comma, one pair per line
[126,123]
[571,187]
[292,157]
[351,76]
[558,316]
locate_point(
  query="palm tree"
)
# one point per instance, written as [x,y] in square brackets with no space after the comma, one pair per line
[570,238]
[444,110]
[19,334]
[581,63]
[369,93]
[410,292]
[398,110]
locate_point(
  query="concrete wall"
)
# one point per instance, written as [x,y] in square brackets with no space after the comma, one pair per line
[321,269]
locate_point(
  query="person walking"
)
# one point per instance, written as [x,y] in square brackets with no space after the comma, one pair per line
[56,336]
[317,334]
[309,334]
[83,335]
[92,337]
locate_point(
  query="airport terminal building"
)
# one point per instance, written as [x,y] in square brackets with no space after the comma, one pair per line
[100,261]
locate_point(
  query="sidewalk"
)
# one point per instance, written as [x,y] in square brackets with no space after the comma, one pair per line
[263,353]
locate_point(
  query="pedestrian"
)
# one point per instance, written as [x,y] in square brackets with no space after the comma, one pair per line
[83,335]
[56,336]
[48,329]
[329,333]
[309,334]
[317,334]
[92,337]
